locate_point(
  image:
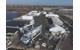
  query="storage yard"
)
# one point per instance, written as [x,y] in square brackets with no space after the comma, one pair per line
[41,29]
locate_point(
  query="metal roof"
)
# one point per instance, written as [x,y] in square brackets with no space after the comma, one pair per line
[26,17]
[57,29]
[52,15]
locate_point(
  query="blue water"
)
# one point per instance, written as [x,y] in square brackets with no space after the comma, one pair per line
[10,16]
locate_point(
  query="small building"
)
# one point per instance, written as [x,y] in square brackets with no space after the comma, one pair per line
[47,8]
[34,13]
